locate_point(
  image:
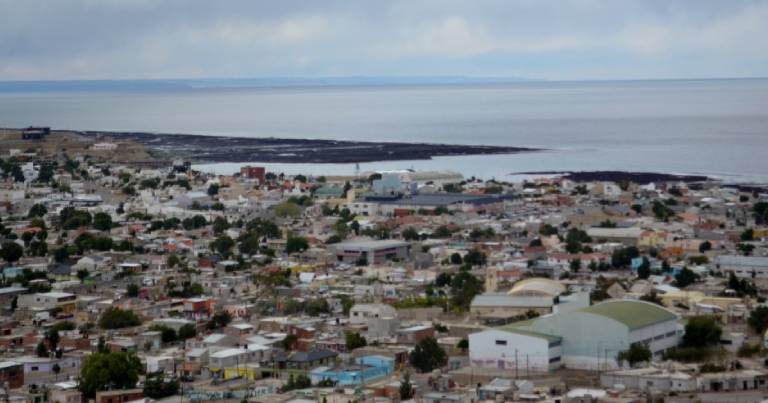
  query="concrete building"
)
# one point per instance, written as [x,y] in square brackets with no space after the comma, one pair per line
[373,251]
[743,266]
[359,314]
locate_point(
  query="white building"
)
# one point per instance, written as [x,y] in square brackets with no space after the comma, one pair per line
[591,338]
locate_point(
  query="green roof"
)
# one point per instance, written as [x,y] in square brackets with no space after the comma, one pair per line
[513,329]
[633,314]
[329,191]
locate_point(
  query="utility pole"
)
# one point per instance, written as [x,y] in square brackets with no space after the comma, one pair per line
[515,363]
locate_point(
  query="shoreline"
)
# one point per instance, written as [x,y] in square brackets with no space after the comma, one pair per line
[202,149]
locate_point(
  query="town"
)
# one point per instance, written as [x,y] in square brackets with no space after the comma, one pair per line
[130,281]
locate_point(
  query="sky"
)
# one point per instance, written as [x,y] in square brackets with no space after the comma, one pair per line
[534,39]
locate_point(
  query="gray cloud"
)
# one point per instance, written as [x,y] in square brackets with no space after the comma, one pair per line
[569,39]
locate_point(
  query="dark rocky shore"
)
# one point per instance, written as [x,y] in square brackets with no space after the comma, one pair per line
[618,176]
[207,149]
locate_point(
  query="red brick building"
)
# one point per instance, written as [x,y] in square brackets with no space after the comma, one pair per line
[253,173]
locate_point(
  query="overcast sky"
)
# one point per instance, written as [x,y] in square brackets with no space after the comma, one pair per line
[543,39]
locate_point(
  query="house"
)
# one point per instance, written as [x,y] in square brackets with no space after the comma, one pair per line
[360,313]
[12,374]
[370,251]
[63,301]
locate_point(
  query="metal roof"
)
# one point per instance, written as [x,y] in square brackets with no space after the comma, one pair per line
[633,314]
[513,329]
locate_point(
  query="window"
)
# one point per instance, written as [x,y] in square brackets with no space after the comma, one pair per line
[555,359]
[501,342]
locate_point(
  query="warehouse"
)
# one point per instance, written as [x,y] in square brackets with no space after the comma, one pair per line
[620,324]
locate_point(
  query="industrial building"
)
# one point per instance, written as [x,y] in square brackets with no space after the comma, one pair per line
[571,340]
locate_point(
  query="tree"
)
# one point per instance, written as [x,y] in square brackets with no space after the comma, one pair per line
[213,189]
[156,387]
[132,290]
[82,274]
[287,209]
[223,244]
[685,278]
[661,211]
[56,370]
[11,251]
[748,235]
[116,318]
[354,340]
[72,218]
[410,234]
[464,287]
[406,388]
[219,319]
[644,270]
[296,244]
[37,210]
[42,350]
[187,331]
[575,265]
[463,344]
[220,224]
[106,370]
[52,337]
[456,258]
[637,353]
[428,355]
[102,221]
[701,331]
[758,319]
[249,245]
[475,258]
[705,246]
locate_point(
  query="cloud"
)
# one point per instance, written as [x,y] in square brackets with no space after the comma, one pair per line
[571,39]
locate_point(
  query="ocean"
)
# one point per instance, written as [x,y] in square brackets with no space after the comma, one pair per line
[717,128]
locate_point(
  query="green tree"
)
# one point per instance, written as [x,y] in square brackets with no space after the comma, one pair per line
[82,274]
[296,244]
[249,245]
[463,344]
[116,318]
[354,340]
[637,353]
[287,209]
[575,265]
[758,319]
[475,258]
[406,388]
[456,258]
[213,189]
[156,387]
[223,245]
[428,355]
[705,246]
[132,290]
[104,371]
[102,221]
[37,210]
[410,234]
[187,331]
[464,287]
[644,271]
[701,331]
[11,251]
[42,350]
[748,235]
[220,224]
[685,278]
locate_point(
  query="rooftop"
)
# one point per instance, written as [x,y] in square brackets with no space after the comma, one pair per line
[633,314]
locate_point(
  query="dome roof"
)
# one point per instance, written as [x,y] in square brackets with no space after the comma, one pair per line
[537,286]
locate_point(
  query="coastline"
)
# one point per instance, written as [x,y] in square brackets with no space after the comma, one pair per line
[201,149]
